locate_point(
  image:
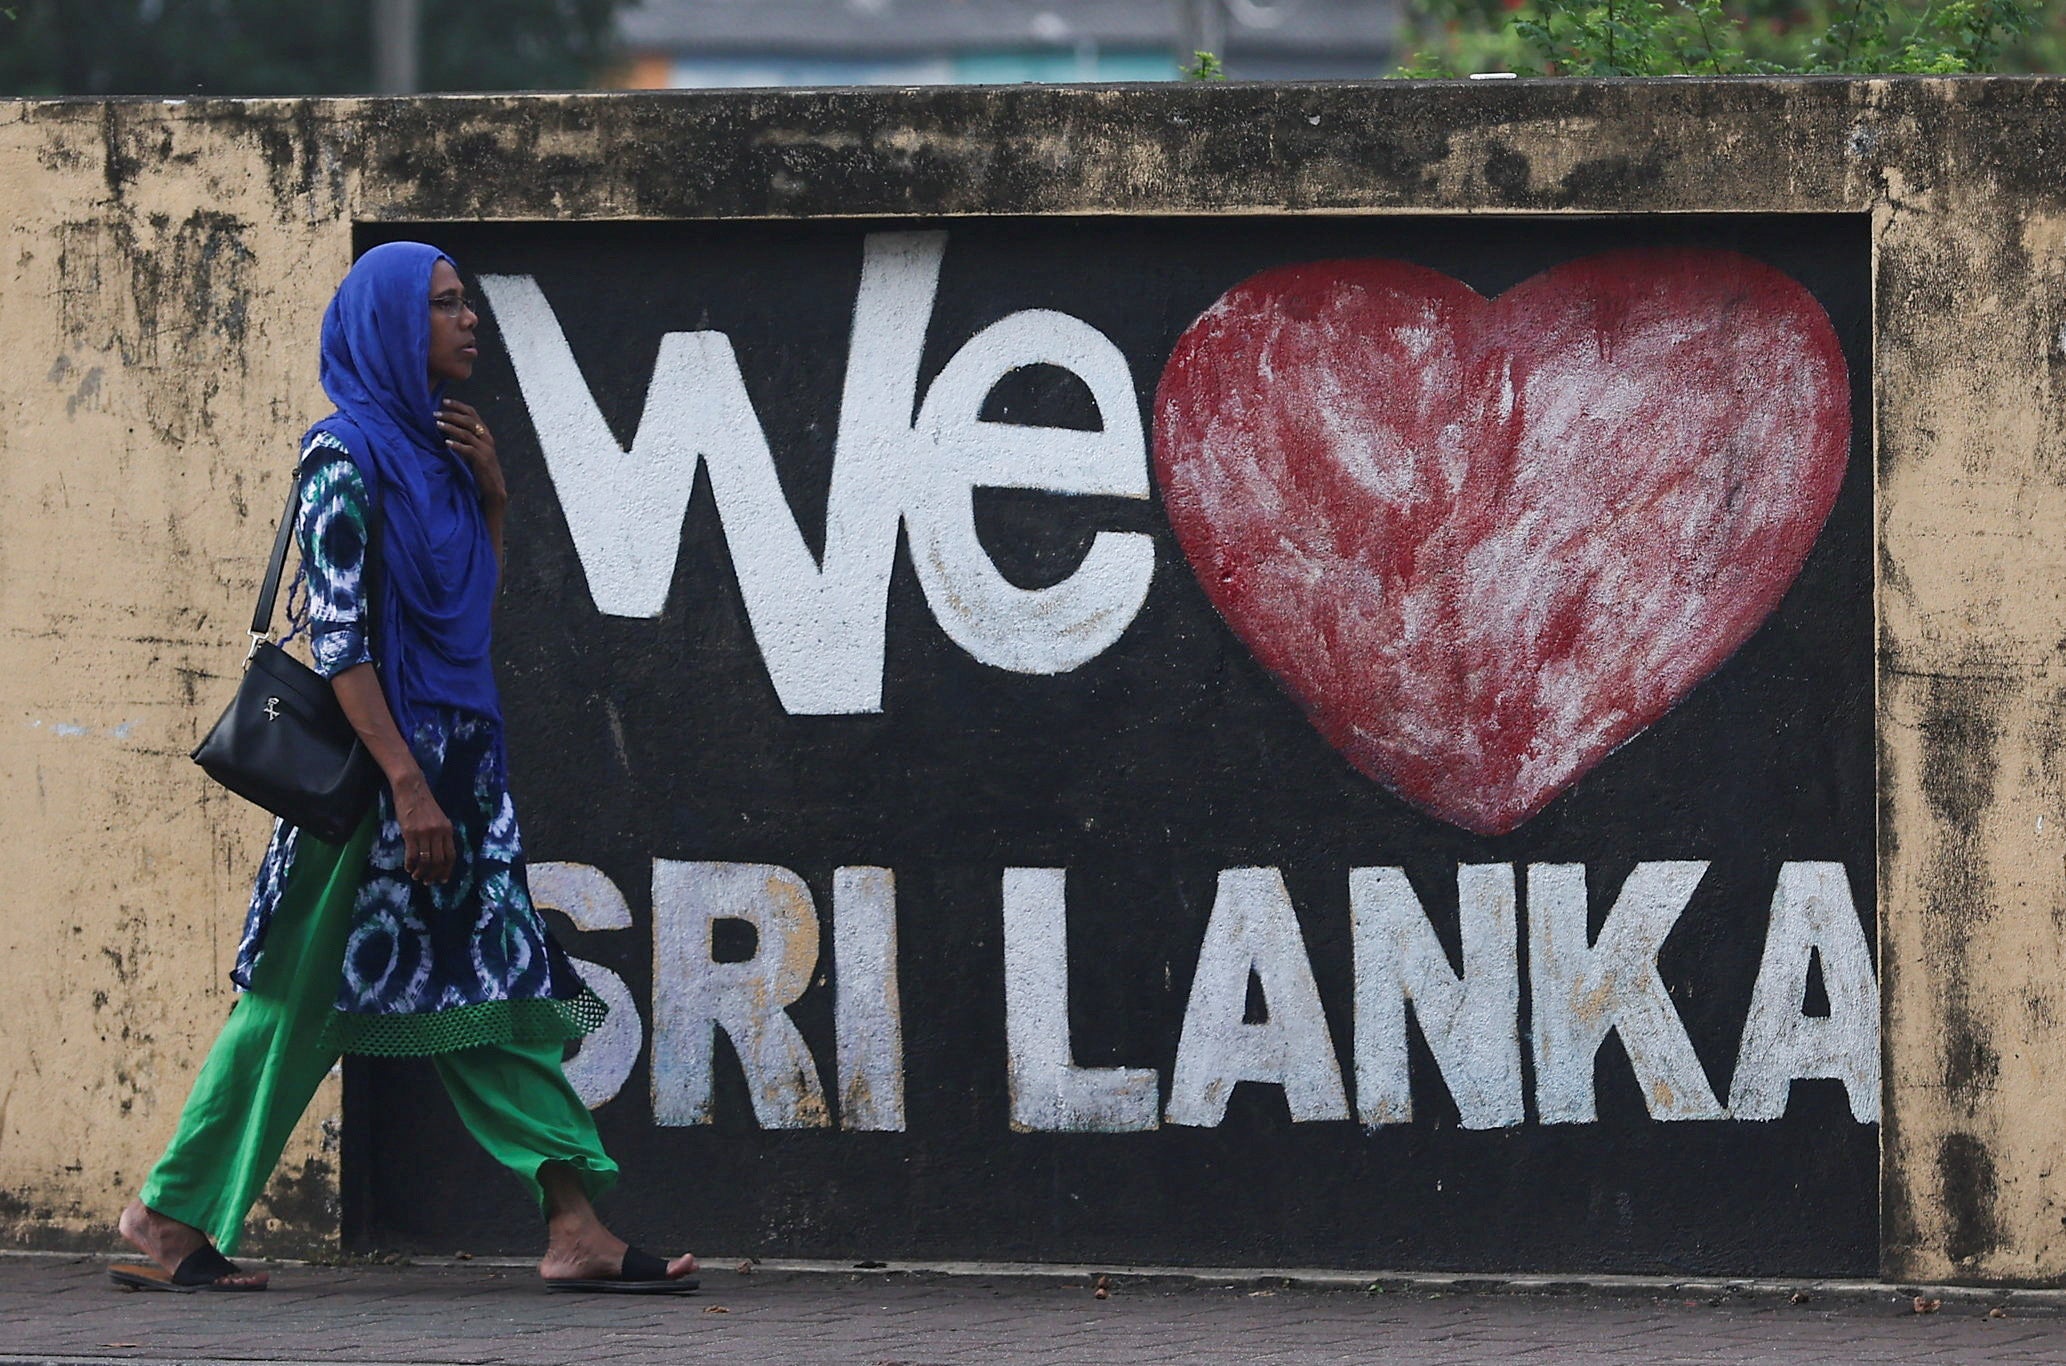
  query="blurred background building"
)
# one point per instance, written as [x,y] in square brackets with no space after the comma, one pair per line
[939,42]
[334,47]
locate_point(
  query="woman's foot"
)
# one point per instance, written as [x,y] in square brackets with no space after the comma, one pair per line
[577,1246]
[593,1253]
[168,1242]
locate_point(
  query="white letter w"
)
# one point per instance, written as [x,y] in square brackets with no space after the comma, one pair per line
[820,630]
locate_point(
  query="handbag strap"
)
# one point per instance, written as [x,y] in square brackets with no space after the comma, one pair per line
[269,591]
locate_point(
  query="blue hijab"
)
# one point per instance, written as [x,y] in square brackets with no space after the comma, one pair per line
[432,625]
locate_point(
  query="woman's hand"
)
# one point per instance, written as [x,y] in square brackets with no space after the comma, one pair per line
[427,840]
[470,438]
[429,847]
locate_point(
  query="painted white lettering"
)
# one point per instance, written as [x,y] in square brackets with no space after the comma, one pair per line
[820,625]
[1470,1020]
[1048,1090]
[694,995]
[1580,992]
[820,630]
[1045,630]
[867,1016]
[1812,913]
[1253,931]
[587,897]
[624,509]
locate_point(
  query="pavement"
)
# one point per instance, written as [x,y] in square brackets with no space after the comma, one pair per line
[62,1309]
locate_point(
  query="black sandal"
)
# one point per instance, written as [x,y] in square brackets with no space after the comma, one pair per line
[641,1274]
[202,1269]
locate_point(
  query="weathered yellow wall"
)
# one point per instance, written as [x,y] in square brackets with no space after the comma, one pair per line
[1970,264]
[159,299]
[156,300]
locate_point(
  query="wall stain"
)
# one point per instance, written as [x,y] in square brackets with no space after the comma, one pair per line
[299,1210]
[2048,740]
[1961,724]
[118,166]
[88,393]
[1972,1067]
[305,158]
[22,1205]
[1961,732]
[1968,1188]
[2041,1009]
[169,297]
[1507,172]
[1902,1205]
[1611,179]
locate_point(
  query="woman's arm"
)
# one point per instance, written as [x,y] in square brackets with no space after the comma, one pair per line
[427,838]
[331,528]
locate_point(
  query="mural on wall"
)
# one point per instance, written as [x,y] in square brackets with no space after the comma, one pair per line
[1194,741]
[1484,543]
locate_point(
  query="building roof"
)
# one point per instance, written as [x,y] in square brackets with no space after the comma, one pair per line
[893,27]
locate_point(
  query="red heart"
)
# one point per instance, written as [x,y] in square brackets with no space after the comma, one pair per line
[1485,542]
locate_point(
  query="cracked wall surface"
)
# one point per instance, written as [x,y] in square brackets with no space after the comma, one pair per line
[161,286]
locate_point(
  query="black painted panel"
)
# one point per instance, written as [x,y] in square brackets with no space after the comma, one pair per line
[1171,756]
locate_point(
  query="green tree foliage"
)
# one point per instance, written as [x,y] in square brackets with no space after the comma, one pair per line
[293,47]
[1734,37]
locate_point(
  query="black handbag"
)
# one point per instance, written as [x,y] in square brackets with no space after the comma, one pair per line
[284,742]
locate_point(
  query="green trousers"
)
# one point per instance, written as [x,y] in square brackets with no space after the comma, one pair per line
[271,1055]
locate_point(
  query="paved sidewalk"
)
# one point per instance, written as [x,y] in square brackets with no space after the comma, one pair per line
[63,1310]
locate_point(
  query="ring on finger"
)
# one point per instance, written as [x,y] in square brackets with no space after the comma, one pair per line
[479,430]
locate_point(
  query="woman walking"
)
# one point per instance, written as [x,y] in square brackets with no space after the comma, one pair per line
[418,936]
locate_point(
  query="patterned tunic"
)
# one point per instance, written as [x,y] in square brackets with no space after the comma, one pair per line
[427,968]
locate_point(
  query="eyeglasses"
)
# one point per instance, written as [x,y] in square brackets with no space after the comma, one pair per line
[452,305]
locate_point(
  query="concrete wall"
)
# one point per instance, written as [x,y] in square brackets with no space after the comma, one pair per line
[161,285]
[157,318]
